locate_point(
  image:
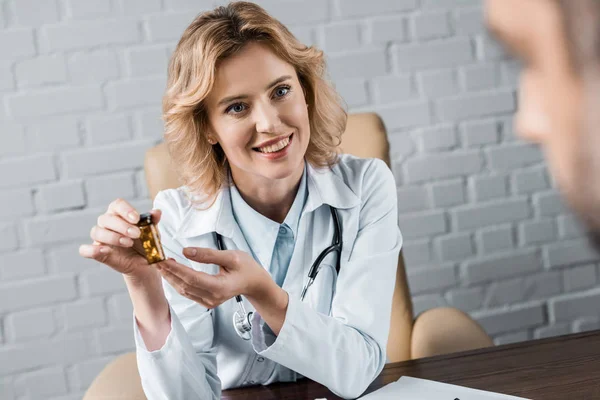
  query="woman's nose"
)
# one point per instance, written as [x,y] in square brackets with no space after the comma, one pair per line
[267,118]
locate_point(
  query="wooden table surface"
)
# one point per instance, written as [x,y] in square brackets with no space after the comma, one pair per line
[558,368]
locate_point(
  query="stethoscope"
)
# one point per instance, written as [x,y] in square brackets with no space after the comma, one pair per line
[241,318]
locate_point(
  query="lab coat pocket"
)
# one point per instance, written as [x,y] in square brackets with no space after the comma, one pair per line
[320,294]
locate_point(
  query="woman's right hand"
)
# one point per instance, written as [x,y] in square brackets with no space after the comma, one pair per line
[116,241]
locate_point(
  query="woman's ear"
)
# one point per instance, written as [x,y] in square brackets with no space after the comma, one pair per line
[209,135]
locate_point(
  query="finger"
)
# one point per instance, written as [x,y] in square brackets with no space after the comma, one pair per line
[201,301]
[125,210]
[196,296]
[156,215]
[192,277]
[174,281]
[94,252]
[105,236]
[164,268]
[117,224]
[182,287]
[210,256]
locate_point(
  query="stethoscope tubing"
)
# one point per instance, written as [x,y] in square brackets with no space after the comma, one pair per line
[242,319]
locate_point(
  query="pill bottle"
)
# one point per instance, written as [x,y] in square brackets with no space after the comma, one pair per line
[150,239]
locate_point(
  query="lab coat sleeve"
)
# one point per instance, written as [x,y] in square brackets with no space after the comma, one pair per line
[185,367]
[347,350]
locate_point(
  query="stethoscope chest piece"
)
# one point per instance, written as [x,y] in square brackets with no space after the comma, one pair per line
[242,324]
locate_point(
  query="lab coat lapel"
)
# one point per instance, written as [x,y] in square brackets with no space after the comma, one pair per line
[316,227]
[217,218]
[330,189]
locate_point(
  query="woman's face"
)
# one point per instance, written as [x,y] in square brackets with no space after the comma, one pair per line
[258,114]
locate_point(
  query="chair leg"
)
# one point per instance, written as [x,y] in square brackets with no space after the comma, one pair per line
[446,330]
[119,380]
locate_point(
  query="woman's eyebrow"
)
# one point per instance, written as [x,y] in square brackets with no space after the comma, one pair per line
[278,80]
[228,99]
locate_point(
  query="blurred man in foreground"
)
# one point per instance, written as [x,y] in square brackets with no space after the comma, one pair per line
[558,44]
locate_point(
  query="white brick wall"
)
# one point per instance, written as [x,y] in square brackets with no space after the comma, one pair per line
[24,325]
[85,34]
[94,66]
[17,43]
[55,101]
[81,83]
[41,70]
[44,383]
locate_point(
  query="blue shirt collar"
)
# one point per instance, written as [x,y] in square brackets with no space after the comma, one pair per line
[261,232]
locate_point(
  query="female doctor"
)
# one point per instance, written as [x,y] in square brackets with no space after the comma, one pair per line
[268,214]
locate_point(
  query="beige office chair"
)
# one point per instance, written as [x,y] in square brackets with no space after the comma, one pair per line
[436,331]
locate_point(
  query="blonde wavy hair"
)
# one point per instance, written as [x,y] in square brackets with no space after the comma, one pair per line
[208,40]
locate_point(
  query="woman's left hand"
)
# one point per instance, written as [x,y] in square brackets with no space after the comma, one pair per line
[239,274]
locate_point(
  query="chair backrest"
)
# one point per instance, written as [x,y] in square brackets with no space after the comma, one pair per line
[365,136]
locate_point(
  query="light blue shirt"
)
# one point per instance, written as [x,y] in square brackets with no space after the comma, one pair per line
[272,244]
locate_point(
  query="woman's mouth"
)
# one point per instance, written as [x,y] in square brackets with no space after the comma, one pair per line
[274,150]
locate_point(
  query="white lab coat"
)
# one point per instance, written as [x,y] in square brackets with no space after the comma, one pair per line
[337,336]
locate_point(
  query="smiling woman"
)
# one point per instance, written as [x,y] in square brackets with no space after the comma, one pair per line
[274,237]
[229,66]
[258,115]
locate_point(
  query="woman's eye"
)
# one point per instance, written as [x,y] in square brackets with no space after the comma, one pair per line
[235,108]
[282,91]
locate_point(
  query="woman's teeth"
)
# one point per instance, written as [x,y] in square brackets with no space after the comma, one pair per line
[275,147]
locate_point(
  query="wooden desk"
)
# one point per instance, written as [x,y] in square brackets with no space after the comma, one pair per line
[557,368]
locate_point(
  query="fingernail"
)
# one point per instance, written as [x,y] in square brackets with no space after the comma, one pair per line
[133,216]
[190,251]
[135,233]
[125,241]
[104,250]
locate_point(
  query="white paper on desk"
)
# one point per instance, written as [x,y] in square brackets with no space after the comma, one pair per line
[410,388]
